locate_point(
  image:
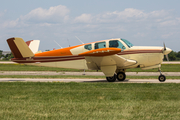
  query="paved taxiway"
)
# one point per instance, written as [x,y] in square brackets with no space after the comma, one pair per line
[85,80]
[86,73]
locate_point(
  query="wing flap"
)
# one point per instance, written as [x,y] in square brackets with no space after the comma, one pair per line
[123,62]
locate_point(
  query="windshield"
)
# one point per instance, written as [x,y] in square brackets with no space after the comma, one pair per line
[127,43]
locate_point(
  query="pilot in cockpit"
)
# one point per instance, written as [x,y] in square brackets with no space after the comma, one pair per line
[114,44]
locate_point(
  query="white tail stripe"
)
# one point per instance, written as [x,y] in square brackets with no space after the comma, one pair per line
[33,45]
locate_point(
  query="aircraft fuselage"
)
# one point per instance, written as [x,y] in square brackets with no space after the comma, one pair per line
[110,56]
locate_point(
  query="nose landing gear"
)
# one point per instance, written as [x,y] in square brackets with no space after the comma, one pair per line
[162,78]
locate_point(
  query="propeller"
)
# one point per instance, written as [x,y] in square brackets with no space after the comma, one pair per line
[165,50]
[164,46]
[167,57]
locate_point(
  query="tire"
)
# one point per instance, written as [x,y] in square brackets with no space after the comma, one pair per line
[111,79]
[162,78]
[121,76]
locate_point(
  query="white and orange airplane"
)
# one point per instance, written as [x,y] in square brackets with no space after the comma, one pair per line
[112,56]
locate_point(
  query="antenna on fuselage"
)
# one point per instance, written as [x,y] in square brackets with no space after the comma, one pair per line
[79,39]
[58,44]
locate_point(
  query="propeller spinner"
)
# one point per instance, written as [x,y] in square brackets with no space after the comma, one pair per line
[166,51]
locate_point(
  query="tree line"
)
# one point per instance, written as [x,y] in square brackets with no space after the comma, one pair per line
[173,56]
[5,56]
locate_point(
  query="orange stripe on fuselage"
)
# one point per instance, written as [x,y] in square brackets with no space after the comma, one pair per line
[101,52]
[58,52]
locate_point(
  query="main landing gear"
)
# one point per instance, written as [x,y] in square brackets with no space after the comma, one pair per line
[121,76]
[111,79]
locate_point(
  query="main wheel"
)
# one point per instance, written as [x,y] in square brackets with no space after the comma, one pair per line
[162,78]
[121,76]
[111,79]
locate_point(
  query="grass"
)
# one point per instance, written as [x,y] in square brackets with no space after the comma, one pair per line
[81,77]
[19,67]
[26,100]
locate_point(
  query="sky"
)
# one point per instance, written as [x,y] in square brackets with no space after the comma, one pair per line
[142,22]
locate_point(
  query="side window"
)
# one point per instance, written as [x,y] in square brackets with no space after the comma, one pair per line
[88,47]
[116,44]
[100,45]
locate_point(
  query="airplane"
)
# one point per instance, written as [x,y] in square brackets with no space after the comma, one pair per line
[112,56]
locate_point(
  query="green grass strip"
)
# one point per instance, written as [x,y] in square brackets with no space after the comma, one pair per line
[94,101]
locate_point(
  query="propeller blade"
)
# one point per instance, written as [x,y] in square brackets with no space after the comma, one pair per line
[167,57]
[164,46]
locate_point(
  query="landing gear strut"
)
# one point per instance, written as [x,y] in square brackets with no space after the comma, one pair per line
[162,78]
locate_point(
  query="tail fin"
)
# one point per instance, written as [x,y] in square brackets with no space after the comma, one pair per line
[19,48]
[33,45]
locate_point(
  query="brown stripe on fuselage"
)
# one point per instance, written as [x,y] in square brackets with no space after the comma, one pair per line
[15,51]
[126,52]
[47,59]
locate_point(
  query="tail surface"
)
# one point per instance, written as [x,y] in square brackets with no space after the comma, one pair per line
[33,45]
[19,48]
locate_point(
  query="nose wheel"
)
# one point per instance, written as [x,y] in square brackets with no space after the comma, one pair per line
[162,78]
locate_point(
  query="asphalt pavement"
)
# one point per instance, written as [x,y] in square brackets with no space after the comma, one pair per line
[85,80]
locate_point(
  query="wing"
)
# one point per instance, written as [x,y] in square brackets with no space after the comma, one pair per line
[108,64]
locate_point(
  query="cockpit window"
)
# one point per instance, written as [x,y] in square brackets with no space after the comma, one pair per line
[88,47]
[116,44]
[127,43]
[100,45]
